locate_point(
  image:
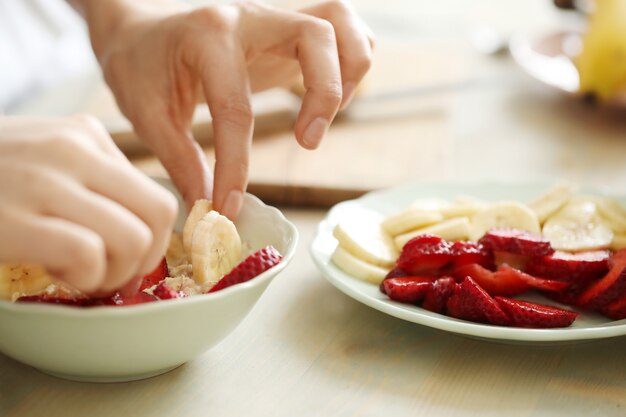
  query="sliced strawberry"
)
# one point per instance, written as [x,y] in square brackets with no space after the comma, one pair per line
[527,314]
[425,254]
[516,241]
[577,268]
[48,299]
[396,273]
[253,265]
[164,292]
[471,302]
[511,259]
[494,284]
[505,272]
[159,274]
[407,278]
[616,310]
[608,289]
[465,253]
[438,294]
[407,289]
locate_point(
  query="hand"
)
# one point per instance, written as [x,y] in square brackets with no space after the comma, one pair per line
[159,63]
[71,202]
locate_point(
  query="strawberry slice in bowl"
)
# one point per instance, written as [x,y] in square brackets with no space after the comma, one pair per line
[254,265]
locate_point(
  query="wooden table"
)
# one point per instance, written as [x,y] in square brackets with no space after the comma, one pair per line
[308,350]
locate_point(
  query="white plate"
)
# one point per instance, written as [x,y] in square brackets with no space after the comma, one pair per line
[587,325]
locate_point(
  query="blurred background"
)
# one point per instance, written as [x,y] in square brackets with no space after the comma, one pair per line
[458,90]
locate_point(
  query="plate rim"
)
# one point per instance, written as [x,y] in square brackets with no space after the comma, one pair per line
[340,279]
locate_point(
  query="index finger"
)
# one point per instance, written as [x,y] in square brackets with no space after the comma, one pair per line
[227,90]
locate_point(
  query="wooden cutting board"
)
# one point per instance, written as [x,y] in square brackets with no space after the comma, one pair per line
[396,131]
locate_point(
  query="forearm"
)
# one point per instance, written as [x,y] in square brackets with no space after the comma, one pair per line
[106,17]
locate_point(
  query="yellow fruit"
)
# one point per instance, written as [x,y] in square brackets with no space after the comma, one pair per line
[602,62]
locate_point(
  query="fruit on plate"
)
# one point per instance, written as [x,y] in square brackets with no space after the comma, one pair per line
[609,288]
[425,254]
[362,235]
[517,242]
[438,293]
[407,289]
[567,247]
[533,315]
[470,302]
[551,201]
[578,227]
[409,220]
[451,229]
[576,268]
[357,267]
[254,265]
[504,215]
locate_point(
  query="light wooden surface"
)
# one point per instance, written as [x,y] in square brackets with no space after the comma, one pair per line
[308,350]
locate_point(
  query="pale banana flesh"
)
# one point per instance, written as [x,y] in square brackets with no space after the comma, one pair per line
[505,214]
[358,268]
[215,248]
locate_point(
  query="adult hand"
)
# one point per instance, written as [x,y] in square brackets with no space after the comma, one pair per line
[159,61]
[70,201]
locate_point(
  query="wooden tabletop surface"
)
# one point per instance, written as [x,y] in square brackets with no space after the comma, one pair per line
[306,349]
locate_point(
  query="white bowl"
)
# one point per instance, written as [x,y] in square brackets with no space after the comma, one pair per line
[111,344]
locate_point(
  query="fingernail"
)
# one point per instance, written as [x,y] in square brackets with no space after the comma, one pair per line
[314,132]
[232,204]
[348,93]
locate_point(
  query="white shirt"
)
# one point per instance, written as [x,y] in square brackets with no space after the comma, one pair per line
[42,42]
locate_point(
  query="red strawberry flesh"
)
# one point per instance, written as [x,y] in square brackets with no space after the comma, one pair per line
[153,278]
[424,254]
[516,241]
[471,302]
[438,294]
[505,272]
[252,266]
[407,289]
[494,284]
[533,315]
[164,292]
[616,310]
[577,268]
[608,289]
[465,253]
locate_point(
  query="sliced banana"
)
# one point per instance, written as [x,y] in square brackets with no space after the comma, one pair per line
[618,242]
[199,209]
[175,255]
[464,206]
[505,214]
[613,212]
[358,268]
[410,219]
[551,201]
[578,227]
[362,235]
[451,229]
[215,248]
[17,280]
